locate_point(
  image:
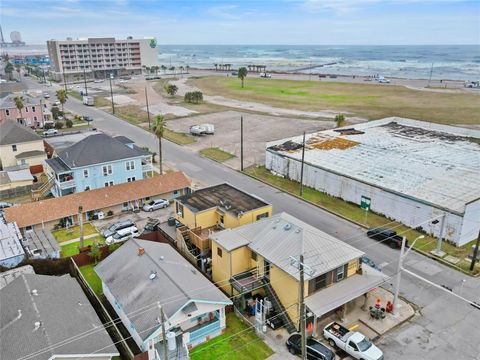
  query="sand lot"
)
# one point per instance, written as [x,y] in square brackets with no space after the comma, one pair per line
[258,130]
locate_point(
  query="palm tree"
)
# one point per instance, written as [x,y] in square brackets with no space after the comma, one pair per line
[164,68]
[18,67]
[158,127]
[62,97]
[19,104]
[9,70]
[339,120]
[242,74]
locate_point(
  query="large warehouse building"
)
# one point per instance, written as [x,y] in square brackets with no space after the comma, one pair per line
[421,174]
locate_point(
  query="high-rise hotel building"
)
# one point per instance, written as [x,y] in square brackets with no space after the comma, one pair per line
[100,57]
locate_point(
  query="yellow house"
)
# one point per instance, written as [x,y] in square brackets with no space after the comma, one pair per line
[212,209]
[263,257]
[20,145]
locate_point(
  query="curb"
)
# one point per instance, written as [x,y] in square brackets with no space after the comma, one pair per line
[424,253]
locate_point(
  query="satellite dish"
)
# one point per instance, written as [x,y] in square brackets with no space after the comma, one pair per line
[15,36]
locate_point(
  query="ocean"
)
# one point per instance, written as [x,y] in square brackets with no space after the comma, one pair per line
[454,62]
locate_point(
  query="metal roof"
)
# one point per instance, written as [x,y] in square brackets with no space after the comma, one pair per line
[432,163]
[10,237]
[57,165]
[60,310]
[8,276]
[64,140]
[174,284]
[283,236]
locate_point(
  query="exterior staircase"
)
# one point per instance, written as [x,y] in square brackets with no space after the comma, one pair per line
[37,194]
[278,307]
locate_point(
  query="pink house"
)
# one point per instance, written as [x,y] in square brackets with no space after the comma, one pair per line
[34,113]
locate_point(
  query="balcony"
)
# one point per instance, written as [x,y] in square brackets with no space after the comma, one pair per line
[147,167]
[247,281]
[66,184]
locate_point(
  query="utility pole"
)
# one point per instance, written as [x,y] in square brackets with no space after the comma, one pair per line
[162,320]
[148,111]
[399,275]
[241,142]
[111,93]
[64,78]
[302,308]
[80,223]
[438,251]
[85,81]
[303,161]
[475,252]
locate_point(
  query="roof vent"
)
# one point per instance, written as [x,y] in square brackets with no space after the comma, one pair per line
[34,292]
[287,227]
[37,325]
[141,251]
[297,231]
[162,257]
[152,275]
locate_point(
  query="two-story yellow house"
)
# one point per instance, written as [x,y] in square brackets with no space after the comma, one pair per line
[263,257]
[20,145]
[213,209]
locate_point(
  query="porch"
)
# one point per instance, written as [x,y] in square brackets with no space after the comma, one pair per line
[247,281]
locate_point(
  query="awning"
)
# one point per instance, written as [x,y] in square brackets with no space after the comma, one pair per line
[344,291]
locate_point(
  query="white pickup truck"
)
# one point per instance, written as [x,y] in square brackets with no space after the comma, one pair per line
[353,343]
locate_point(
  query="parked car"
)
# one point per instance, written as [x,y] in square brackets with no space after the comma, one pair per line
[155,205]
[387,236]
[151,226]
[56,103]
[112,229]
[87,118]
[202,129]
[50,132]
[353,343]
[5,204]
[46,95]
[315,349]
[122,235]
[88,100]
[98,80]
[265,75]
[234,73]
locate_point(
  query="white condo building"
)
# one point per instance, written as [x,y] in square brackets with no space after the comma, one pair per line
[100,57]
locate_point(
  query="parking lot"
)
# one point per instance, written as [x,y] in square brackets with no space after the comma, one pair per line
[258,130]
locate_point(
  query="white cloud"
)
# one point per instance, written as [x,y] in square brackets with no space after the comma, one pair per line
[337,6]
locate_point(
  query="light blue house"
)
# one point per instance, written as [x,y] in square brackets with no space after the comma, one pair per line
[144,278]
[95,162]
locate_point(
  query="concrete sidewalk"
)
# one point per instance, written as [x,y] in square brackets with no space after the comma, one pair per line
[77,239]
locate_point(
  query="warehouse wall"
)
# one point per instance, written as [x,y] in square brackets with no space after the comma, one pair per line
[408,211]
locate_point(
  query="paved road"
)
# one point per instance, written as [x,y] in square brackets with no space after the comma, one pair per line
[445,327]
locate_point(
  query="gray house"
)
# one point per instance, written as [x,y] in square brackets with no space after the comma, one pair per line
[39,313]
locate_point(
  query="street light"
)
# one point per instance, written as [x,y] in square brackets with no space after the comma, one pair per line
[111,92]
[399,268]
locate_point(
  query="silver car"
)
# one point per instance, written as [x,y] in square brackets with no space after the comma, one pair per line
[155,205]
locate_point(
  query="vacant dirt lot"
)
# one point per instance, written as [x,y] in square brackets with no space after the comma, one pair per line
[258,130]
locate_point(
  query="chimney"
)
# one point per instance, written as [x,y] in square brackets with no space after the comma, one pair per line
[141,251]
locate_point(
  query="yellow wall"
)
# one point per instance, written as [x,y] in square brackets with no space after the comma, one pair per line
[15,184]
[7,156]
[352,267]
[221,268]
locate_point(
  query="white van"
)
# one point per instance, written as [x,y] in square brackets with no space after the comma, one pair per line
[122,235]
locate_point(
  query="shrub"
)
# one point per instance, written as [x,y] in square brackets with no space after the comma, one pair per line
[47,126]
[68,123]
[56,112]
[59,125]
[193,97]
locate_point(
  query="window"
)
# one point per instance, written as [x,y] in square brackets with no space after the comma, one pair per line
[85,173]
[219,252]
[107,170]
[353,346]
[29,228]
[130,165]
[33,108]
[179,209]
[320,282]
[23,162]
[34,118]
[26,108]
[14,147]
[340,273]
[108,183]
[7,112]
[261,216]
[130,179]
[176,193]
[254,256]
[87,188]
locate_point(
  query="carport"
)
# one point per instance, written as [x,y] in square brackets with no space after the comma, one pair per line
[343,292]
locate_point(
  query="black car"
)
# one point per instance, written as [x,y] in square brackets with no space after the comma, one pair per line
[315,349]
[387,236]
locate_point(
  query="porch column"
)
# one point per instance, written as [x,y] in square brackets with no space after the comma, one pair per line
[222,317]
[314,332]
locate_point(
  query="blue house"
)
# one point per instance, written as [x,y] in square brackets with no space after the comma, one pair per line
[95,162]
[144,278]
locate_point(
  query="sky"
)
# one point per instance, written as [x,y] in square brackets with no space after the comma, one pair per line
[342,22]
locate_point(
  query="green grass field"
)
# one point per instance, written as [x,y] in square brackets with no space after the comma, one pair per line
[216,154]
[92,278]
[74,232]
[373,101]
[354,212]
[72,249]
[244,346]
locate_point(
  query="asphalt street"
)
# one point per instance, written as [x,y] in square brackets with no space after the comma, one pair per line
[444,328]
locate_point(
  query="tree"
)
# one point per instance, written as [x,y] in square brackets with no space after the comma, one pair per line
[340,120]
[95,253]
[158,128]
[193,97]
[9,70]
[148,69]
[242,74]
[171,89]
[164,68]
[19,104]
[18,68]
[58,125]
[69,123]
[56,112]
[62,97]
